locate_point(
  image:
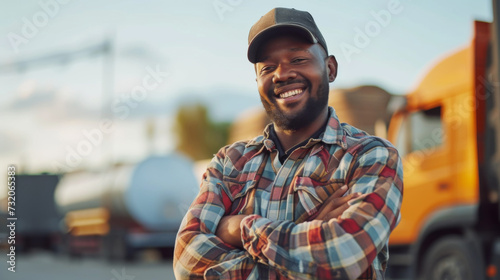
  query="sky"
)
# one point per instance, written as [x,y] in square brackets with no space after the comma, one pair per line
[88,109]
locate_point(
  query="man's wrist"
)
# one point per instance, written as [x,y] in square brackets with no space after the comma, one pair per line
[246,228]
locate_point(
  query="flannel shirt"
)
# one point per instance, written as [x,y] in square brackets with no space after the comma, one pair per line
[280,238]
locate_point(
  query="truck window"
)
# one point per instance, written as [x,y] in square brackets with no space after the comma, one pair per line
[426,129]
[420,130]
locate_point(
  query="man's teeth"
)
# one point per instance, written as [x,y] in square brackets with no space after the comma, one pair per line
[291,93]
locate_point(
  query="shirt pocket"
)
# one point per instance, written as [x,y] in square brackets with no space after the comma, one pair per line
[239,181]
[242,197]
[239,189]
[312,194]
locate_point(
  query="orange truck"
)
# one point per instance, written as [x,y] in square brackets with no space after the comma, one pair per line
[448,135]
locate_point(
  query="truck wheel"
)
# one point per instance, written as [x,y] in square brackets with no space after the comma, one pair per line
[452,258]
[116,248]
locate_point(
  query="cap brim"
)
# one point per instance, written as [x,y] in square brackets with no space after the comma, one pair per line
[264,35]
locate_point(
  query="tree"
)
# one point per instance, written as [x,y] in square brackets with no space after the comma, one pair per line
[198,136]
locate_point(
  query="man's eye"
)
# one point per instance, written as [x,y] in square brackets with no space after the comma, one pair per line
[266,69]
[298,60]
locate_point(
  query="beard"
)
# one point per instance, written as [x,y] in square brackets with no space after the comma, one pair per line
[306,115]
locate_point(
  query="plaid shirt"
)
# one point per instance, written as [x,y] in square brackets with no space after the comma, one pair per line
[280,238]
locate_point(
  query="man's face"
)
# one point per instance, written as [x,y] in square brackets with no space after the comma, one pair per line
[292,78]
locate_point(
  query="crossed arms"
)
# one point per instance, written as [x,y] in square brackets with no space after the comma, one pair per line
[229,229]
[342,241]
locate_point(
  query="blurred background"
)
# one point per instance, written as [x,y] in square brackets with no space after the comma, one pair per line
[110,111]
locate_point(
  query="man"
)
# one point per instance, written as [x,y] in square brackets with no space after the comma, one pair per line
[309,199]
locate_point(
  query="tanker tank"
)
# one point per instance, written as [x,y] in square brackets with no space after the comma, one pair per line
[127,208]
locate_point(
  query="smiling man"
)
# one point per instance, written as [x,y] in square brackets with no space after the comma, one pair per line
[311,198]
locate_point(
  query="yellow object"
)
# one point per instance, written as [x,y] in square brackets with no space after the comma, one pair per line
[443,172]
[94,221]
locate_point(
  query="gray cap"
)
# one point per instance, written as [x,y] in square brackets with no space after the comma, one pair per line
[279,21]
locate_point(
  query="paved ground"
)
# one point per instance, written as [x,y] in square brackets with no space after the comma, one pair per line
[47,266]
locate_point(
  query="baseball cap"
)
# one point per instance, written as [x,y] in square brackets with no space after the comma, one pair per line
[279,21]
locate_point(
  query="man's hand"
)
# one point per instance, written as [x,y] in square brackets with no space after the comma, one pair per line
[229,230]
[229,226]
[336,204]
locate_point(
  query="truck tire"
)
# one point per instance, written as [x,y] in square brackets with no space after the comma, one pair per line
[452,258]
[116,248]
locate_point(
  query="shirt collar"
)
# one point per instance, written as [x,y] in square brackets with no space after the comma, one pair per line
[334,134]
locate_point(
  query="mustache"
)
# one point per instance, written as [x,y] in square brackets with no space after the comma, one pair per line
[278,85]
[286,83]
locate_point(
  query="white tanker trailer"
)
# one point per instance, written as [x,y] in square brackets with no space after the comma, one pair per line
[128,208]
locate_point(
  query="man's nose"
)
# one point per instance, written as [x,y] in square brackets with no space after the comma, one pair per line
[284,73]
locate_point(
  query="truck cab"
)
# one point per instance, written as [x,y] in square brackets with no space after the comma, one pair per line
[449,227]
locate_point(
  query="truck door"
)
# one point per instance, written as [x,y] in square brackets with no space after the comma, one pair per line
[422,143]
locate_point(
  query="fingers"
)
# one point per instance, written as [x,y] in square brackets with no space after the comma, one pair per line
[336,204]
[332,200]
[357,199]
[336,213]
[339,195]
[340,192]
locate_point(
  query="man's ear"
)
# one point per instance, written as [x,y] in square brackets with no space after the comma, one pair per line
[331,67]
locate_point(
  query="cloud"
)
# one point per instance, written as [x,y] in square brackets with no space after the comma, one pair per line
[49,103]
[32,99]
[55,104]
[225,104]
